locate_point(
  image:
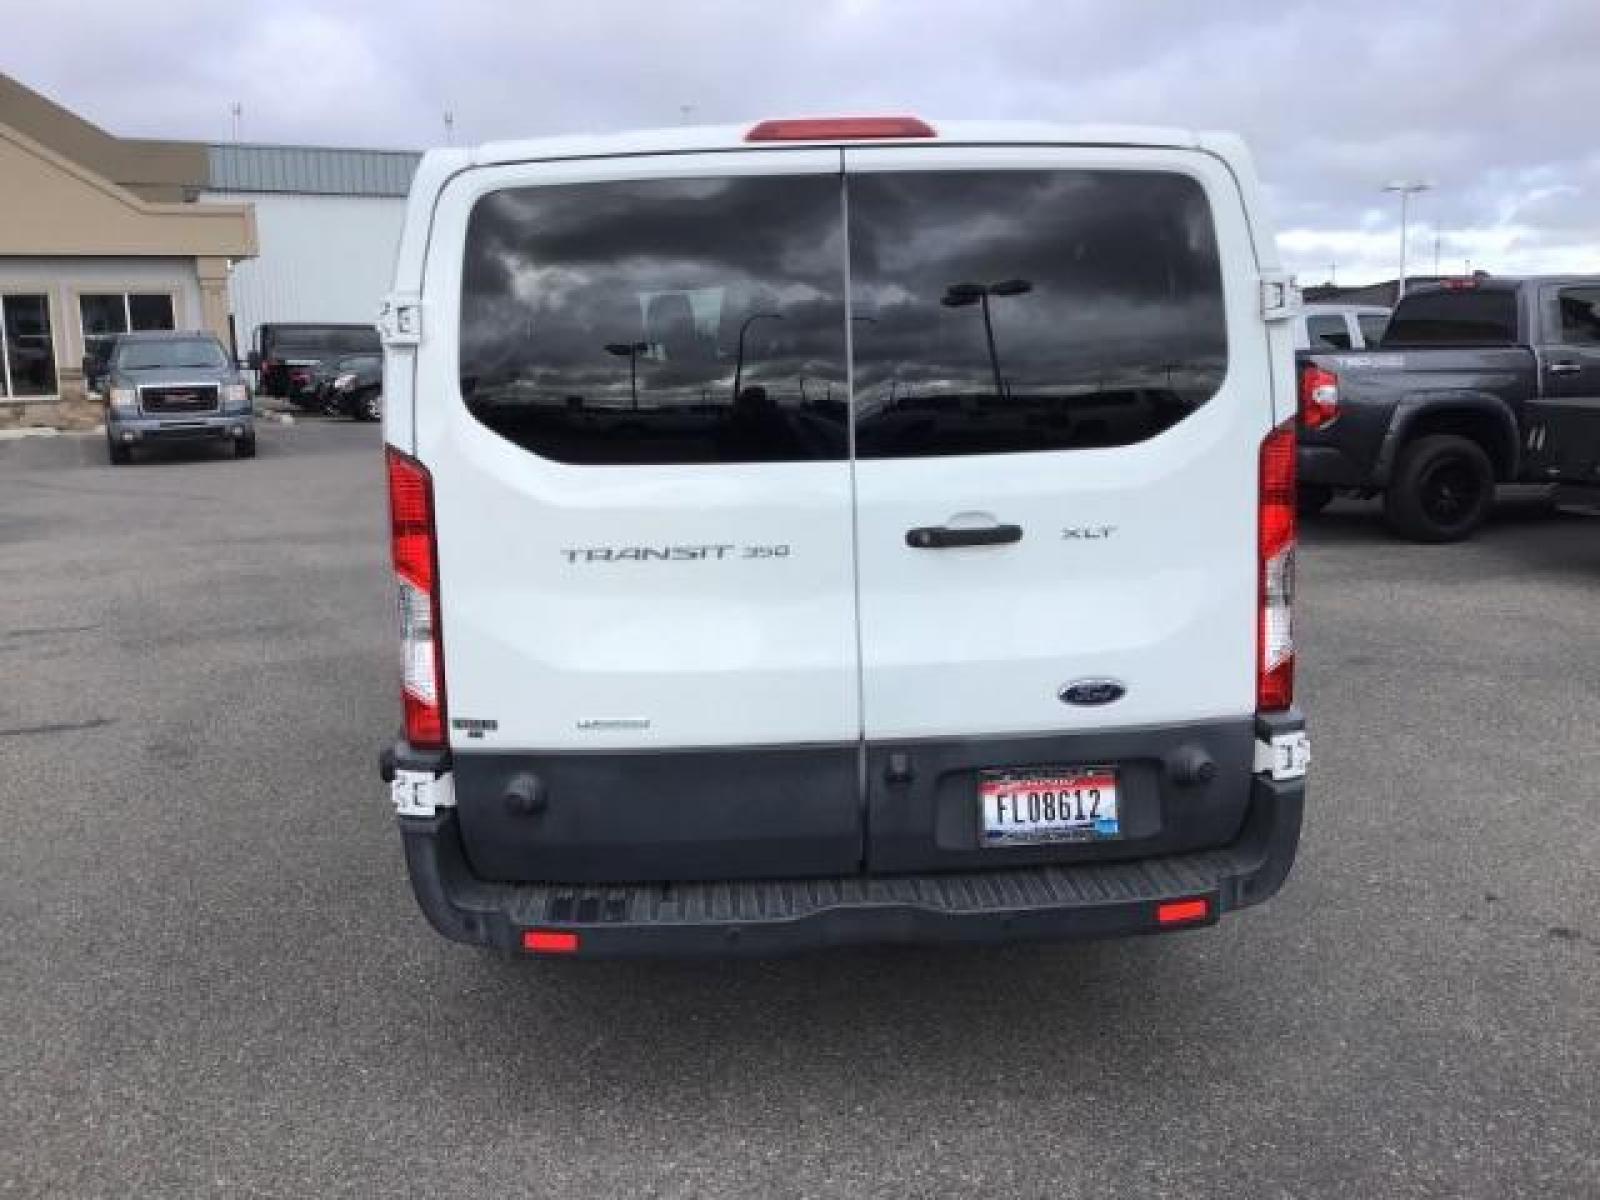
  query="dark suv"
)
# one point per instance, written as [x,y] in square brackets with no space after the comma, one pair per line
[287,356]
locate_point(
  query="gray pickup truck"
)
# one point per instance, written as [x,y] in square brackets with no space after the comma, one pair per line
[1477,381]
[164,387]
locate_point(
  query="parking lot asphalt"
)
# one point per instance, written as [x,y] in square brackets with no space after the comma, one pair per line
[215,981]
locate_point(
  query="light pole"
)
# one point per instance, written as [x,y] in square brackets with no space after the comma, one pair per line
[630,351]
[960,295]
[1407,189]
[738,361]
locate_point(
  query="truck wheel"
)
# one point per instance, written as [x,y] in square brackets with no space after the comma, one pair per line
[245,447]
[119,454]
[1442,489]
[1312,498]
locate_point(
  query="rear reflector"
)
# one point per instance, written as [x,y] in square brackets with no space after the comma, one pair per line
[837,129]
[1275,562]
[549,941]
[411,537]
[1182,912]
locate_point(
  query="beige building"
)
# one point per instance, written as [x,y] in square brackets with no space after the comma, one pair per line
[99,235]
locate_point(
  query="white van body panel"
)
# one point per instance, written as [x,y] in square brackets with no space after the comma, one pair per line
[1137,562]
[563,652]
[580,655]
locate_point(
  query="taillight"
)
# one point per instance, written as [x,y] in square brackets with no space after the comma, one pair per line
[836,129]
[1275,560]
[1319,396]
[411,533]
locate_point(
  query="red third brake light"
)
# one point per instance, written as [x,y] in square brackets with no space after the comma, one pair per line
[1275,568]
[838,129]
[412,540]
[1319,396]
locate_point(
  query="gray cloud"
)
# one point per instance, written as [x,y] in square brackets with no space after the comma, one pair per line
[1492,102]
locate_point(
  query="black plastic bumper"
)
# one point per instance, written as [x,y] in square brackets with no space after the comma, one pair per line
[1331,466]
[770,917]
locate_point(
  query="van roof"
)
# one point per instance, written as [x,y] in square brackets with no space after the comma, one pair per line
[688,139]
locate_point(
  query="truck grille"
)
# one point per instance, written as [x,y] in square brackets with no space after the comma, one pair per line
[179,398]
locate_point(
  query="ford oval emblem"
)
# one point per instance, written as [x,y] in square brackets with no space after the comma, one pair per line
[1091,692]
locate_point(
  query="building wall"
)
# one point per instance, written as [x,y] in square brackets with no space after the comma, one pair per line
[62,281]
[65,279]
[50,205]
[152,170]
[322,259]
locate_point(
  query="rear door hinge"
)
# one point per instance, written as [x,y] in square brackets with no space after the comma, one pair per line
[400,319]
[1286,756]
[421,793]
[1280,298]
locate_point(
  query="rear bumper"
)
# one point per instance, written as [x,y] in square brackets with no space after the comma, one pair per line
[770,917]
[1331,466]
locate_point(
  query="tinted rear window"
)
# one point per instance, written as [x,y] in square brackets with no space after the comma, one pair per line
[662,321]
[698,321]
[321,342]
[1327,332]
[1002,311]
[1472,317]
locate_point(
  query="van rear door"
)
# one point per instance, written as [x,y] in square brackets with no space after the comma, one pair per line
[640,461]
[1061,383]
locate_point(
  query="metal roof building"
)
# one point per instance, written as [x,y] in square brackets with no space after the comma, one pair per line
[310,170]
[329,221]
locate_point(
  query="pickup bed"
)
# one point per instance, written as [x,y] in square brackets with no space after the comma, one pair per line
[1476,382]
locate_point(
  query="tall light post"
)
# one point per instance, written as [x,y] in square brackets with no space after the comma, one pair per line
[1407,189]
[960,295]
[630,351]
[738,361]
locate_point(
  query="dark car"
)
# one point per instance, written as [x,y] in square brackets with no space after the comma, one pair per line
[1478,381]
[166,387]
[286,356]
[352,386]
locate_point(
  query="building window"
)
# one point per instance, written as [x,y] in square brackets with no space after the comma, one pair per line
[106,313]
[27,349]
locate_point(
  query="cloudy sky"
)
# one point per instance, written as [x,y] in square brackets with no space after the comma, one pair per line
[1494,102]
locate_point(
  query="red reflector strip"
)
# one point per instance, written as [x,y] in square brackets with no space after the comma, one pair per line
[831,129]
[549,941]
[1182,912]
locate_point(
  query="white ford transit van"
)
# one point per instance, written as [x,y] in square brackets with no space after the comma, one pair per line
[842,530]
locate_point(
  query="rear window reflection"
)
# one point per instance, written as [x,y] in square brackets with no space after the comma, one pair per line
[703,320]
[1007,311]
[667,321]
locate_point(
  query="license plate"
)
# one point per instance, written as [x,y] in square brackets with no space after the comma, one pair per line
[1048,804]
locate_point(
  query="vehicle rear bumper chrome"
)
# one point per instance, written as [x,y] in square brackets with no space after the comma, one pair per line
[780,916]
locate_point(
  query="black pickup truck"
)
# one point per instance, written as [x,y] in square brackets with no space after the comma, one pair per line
[1477,381]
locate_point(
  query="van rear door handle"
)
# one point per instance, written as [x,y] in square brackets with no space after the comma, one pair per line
[938,537]
[1564,368]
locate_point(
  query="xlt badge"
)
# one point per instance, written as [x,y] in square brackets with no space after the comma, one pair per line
[1087,533]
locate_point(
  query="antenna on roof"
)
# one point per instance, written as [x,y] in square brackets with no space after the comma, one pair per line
[237,110]
[449,128]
